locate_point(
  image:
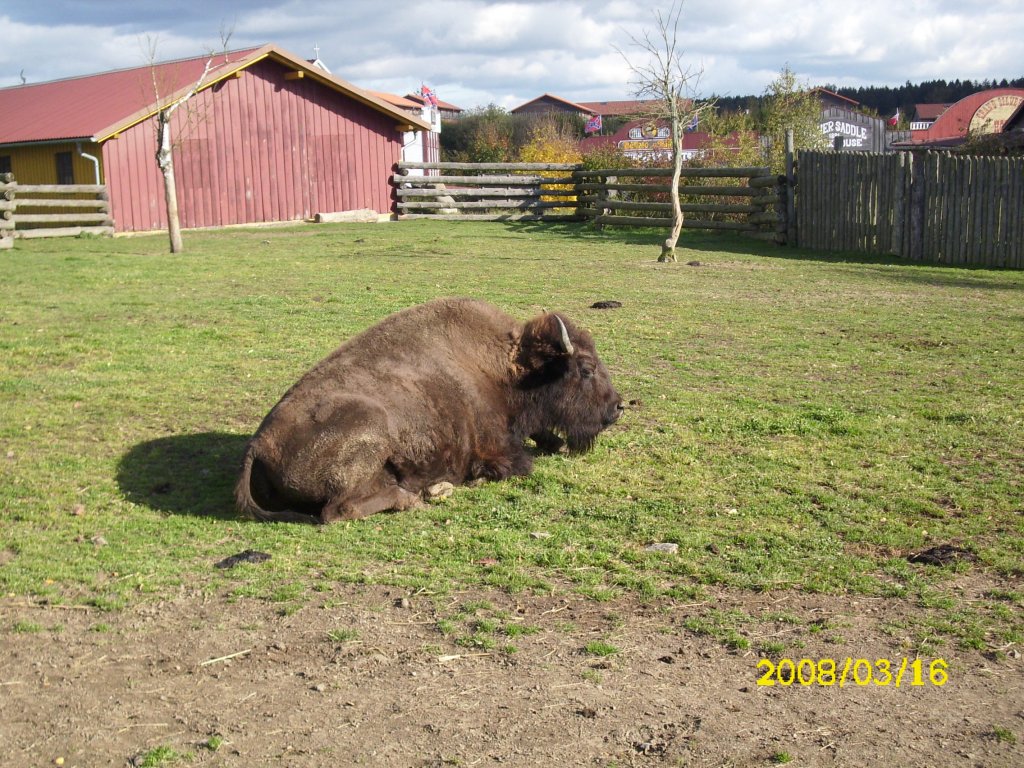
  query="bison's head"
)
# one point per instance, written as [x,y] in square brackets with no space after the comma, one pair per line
[566,386]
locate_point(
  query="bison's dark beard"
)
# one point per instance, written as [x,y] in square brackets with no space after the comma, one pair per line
[580,442]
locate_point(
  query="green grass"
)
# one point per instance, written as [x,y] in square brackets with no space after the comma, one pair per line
[1004,735]
[600,648]
[804,419]
[342,635]
[162,756]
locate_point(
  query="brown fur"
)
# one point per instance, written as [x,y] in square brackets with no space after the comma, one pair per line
[444,391]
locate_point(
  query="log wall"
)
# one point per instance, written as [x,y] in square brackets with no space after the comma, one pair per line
[748,200]
[52,210]
[924,206]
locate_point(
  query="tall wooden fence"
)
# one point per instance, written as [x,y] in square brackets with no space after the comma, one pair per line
[52,210]
[923,206]
[748,200]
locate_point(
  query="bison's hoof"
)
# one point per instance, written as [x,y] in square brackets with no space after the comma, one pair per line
[439,491]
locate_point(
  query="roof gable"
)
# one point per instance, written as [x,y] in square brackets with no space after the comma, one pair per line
[555,101]
[97,107]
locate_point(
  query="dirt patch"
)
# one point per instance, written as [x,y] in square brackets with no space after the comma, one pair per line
[375,676]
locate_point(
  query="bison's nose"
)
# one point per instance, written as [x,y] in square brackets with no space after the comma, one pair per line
[615,413]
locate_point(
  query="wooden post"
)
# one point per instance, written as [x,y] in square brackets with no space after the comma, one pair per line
[790,186]
[915,166]
[899,205]
[7,195]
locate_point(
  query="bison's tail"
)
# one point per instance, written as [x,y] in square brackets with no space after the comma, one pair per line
[247,505]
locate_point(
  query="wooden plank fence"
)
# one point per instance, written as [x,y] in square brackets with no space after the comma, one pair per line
[52,210]
[748,200]
[924,206]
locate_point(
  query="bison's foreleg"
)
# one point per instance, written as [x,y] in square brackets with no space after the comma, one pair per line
[514,460]
[547,441]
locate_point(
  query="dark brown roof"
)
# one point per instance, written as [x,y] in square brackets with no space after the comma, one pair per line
[558,101]
[833,95]
[929,111]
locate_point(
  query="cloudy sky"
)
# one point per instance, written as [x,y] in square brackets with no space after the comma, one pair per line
[476,52]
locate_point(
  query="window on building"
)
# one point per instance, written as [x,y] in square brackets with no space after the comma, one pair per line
[65,172]
[5,163]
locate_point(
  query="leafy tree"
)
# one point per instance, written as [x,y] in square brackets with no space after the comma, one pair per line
[550,142]
[482,135]
[790,105]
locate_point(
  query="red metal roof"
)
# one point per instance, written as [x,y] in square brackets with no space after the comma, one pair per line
[955,122]
[621,108]
[447,106]
[94,107]
[395,100]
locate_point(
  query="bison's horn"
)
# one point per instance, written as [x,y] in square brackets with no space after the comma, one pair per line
[566,343]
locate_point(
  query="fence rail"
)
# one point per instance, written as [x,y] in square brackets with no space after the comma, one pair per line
[52,210]
[923,206]
[752,203]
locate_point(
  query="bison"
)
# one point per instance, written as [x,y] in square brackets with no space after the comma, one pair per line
[447,391]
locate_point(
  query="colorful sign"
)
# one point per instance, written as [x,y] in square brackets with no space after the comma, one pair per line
[991,116]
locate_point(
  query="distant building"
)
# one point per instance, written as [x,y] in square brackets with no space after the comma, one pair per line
[847,128]
[268,137]
[925,115]
[447,111]
[995,111]
[549,103]
[832,99]
[634,108]
[648,141]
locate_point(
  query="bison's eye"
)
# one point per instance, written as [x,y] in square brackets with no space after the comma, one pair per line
[586,371]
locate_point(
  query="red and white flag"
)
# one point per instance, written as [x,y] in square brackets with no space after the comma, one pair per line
[895,118]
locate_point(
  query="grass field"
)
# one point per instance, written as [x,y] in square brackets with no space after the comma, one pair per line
[802,420]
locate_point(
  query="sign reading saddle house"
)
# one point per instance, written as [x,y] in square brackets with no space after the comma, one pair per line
[849,130]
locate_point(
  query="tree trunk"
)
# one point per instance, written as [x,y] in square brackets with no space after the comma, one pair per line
[165,159]
[668,249]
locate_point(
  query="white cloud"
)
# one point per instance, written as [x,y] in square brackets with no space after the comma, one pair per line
[512,51]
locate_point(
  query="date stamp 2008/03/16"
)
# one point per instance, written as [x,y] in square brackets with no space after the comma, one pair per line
[851,671]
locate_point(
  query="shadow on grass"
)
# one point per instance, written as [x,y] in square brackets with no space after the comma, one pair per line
[940,275]
[184,474]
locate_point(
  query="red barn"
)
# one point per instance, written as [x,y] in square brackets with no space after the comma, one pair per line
[269,137]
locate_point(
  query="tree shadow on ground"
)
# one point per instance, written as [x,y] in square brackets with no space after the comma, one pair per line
[943,275]
[184,474]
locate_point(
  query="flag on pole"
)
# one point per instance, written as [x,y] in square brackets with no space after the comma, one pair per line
[895,118]
[428,96]
[593,124]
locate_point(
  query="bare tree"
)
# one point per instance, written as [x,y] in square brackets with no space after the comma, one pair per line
[672,87]
[165,138]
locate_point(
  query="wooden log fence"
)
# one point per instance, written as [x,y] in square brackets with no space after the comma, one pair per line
[486,191]
[52,210]
[932,207]
[748,200]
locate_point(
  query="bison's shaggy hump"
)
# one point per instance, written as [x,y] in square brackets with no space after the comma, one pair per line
[446,391]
